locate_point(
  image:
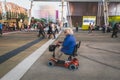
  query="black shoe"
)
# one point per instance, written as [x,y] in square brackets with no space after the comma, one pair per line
[69,58]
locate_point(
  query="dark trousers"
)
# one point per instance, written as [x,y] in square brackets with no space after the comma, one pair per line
[1,31]
[103,29]
[41,33]
[51,33]
[56,31]
[114,34]
[76,29]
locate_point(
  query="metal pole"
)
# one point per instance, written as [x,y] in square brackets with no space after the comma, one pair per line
[99,13]
[107,15]
[31,4]
[105,8]
[62,10]
[69,13]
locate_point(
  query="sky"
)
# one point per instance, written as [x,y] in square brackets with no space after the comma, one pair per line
[36,4]
[26,3]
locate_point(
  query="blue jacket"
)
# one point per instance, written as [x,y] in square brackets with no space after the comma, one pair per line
[68,44]
[0,26]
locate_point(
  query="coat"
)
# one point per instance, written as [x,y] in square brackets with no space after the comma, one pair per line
[68,45]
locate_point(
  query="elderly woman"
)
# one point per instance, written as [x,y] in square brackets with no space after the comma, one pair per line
[67,46]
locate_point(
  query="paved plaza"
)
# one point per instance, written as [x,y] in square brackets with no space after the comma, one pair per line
[99,59]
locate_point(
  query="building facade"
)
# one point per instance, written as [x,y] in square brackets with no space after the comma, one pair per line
[11,13]
[77,10]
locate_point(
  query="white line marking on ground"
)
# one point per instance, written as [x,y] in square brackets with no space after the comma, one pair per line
[17,72]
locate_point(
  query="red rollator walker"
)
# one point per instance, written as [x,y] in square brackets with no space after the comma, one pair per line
[73,62]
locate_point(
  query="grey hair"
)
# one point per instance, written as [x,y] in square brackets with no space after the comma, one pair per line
[69,31]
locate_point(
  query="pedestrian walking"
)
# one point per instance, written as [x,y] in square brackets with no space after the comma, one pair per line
[51,30]
[76,27]
[41,30]
[115,30]
[1,27]
[56,29]
[90,28]
[103,28]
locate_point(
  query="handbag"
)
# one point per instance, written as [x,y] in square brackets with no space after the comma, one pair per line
[52,48]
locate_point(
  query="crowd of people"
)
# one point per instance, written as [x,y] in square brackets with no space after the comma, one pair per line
[111,28]
[48,30]
[44,29]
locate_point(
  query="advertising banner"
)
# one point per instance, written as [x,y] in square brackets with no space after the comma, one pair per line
[87,20]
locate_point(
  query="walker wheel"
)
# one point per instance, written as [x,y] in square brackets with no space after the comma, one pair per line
[51,63]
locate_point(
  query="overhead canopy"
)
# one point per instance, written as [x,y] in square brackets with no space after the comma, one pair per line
[79,0]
